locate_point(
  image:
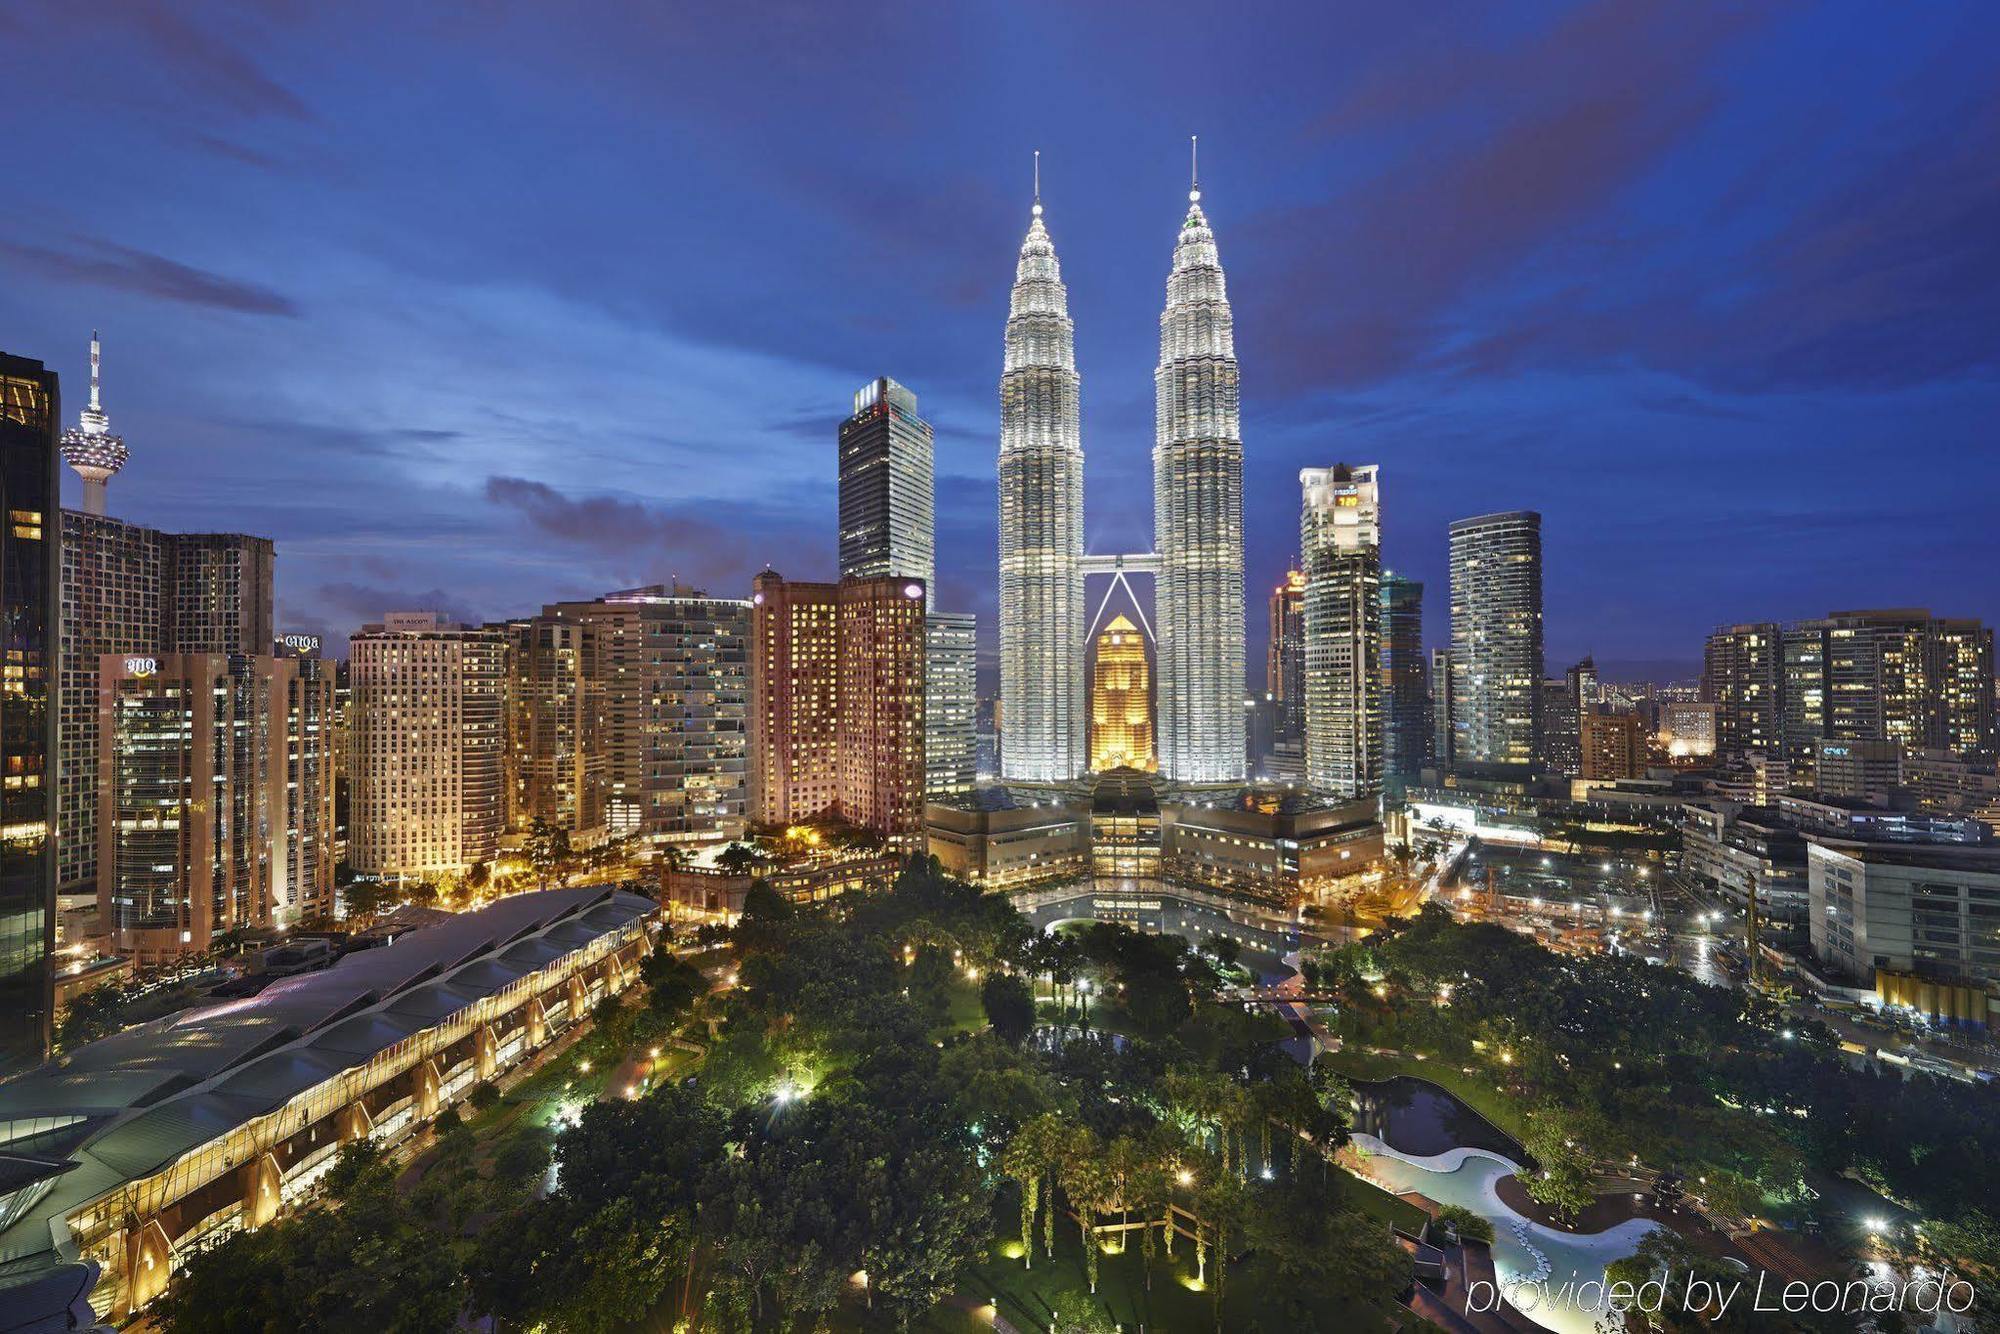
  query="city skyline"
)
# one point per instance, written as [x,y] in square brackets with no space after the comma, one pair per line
[1467,364]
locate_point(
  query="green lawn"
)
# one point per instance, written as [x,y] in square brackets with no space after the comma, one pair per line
[1476,1090]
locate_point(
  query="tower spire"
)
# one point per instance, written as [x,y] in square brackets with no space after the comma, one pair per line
[1194,169]
[95,404]
[1038,182]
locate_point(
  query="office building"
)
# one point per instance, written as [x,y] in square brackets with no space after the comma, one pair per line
[1406,698]
[1340,544]
[1496,640]
[1285,658]
[1921,912]
[1688,728]
[1042,625]
[1198,519]
[1613,744]
[429,745]
[1743,675]
[1121,700]
[193,761]
[879,718]
[951,699]
[1948,784]
[1586,691]
[30,407]
[888,508]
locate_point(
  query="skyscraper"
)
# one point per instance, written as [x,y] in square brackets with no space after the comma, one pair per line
[1441,733]
[1198,517]
[1742,674]
[1285,658]
[1612,744]
[951,698]
[89,447]
[1406,699]
[1340,542]
[193,764]
[1121,700]
[555,733]
[30,404]
[307,834]
[1496,639]
[1041,525]
[429,740]
[133,590]
[888,507]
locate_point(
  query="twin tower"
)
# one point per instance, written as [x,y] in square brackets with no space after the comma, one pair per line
[1197,560]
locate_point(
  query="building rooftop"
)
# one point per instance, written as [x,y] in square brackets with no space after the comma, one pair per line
[126,1106]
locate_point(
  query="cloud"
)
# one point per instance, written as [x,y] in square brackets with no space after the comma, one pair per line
[368,602]
[107,264]
[216,69]
[718,545]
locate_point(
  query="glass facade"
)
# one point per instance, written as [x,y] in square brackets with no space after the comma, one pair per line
[29,405]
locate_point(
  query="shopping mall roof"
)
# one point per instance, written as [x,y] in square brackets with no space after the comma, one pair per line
[126,1106]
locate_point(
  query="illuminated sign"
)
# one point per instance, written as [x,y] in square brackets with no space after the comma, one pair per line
[913,590]
[301,643]
[141,666]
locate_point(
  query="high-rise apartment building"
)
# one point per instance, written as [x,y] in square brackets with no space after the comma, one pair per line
[1406,700]
[30,406]
[1198,519]
[1743,675]
[1121,700]
[951,701]
[429,702]
[1285,658]
[308,840]
[555,765]
[192,763]
[1562,745]
[1340,543]
[1441,729]
[1586,691]
[1496,639]
[1613,744]
[1041,525]
[794,700]
[879,725]
[888,505]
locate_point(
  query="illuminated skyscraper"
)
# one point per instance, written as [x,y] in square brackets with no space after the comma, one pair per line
[880,722]
[951,698]
[89,448]
[1406,716]
[1198,517]
[1496,639]
[29,407]
[1340,540]
[794,706]
[429,745]
[1121,700]
[888,508]
[1285,659]
[1041,526]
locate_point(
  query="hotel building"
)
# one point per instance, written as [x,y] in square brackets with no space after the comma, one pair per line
[1496,640]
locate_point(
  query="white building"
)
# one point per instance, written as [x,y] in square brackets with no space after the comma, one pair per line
[1932,910]
[951,700]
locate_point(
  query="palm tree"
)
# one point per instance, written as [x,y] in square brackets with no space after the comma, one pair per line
[1087,1182]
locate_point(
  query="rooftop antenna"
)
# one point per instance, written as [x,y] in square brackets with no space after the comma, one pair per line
[1038,183]
[1194,169]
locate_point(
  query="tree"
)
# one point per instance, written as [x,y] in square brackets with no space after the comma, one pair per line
[548,851]
[1009,1006]
[1087,1182]
[364,898]
[1565,1181]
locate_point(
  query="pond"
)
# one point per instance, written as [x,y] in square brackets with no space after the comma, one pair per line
[1416,1117]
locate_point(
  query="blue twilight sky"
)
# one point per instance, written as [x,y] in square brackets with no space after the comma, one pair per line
[482,307]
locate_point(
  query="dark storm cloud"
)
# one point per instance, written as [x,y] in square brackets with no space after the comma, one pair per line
[210,67]
[108,264]
[362,603]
